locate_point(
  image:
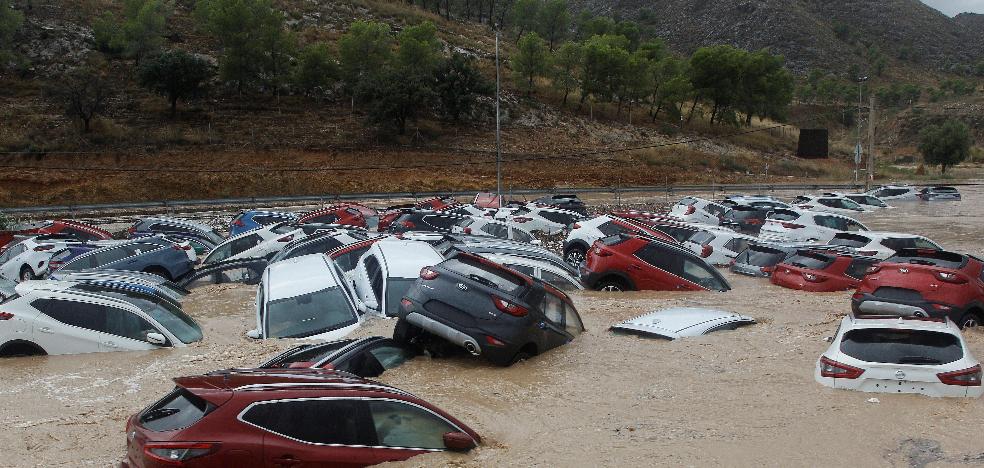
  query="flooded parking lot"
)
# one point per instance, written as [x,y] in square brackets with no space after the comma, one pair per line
[738,398]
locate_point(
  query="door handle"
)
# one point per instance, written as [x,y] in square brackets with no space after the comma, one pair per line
[287,461]
[109,344]
[45,330]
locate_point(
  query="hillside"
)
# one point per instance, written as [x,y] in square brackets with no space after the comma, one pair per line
[823,34]
[973,22]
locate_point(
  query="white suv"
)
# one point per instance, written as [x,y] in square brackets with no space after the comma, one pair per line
[45,318]
[699,210]
[829,204]
[585,233]
[894,192]
[386,271]
[900,355]
[263,242]
[790,226]
[482,226]
[881,245]
[534,218]
[718,246]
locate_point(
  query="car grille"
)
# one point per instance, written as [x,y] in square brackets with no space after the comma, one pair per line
[898,294]
[449,313]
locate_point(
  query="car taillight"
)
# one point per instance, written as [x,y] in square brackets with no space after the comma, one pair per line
[867,253]
[706,251]
[427,273]
[577,226]
[792,226]
[690,210]
[286,238]
[872,269]
[174,453]
[522,219]
[181,247]
[768,269]
[508,307]
[408,224]
[965,378]
[238,223]
[406,302]
[814,278]
[494,341]
[950,277]
[832,368]
[753,221]
[6,315]
[467,230]
[42,248]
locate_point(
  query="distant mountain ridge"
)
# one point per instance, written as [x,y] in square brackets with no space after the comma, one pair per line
[811,33]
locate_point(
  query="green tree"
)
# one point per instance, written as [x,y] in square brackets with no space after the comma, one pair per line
[176,74]
[459,84]
[630,31]
[419,52]
[638,82]
[316,69]
[396,99]
[564,66]
[254,43]
[364,52]
[946,145]
[107,34]
[554,22]
[766,86]
[530,61]
[10,21]
[716,75]
[671,85]
[603,66]
[144,26]
[523,16]
[83,93]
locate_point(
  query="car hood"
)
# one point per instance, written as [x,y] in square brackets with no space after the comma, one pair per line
[680,322]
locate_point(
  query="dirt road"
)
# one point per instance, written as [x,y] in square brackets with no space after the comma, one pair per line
[739,398]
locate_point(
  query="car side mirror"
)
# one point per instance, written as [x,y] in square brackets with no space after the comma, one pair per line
[155,338]
[254,334]
[458,441]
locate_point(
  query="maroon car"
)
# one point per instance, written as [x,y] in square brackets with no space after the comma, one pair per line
[80,231]
[287,417]
[348,214]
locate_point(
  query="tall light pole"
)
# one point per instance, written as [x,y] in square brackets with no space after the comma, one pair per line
[857,149]
[498,140]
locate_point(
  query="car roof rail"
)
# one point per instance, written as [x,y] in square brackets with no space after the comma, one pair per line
[900,318]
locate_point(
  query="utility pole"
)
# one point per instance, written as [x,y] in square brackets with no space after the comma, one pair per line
[498,139]
[857,149]
[871,144]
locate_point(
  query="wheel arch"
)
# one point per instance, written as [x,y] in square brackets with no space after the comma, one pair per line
[620,277]
[11,347]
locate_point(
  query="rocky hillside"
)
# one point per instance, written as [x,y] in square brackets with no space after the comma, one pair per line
[973,22]
[827,34]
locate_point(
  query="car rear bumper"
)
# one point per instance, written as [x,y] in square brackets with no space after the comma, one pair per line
[452,335]
[472,340]
[932,389]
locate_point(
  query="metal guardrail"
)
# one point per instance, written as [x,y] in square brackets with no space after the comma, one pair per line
[328,198]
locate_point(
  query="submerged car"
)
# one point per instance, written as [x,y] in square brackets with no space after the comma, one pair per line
[821,271]
[564,201]
[304,297]
[900,355]
[255,219]
[547,272]
[938,193]
[202,237]
[346,214]
[157,255]
[718,246]
[680,322]
[760,260]
[322,242]
[65,228]
[387,270]
[637,263]
[699,210]
[869,202]
[537,218]
[881,244]
[287,418]
[894,192]
[585,233]
[487,309]
[789,225]
[365,357]
[57,318]
[245,271]
[829,204]
[745,219]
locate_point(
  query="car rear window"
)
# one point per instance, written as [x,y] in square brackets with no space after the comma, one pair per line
[784,215]
[901,346]
[849,240]
[939,258]
[762,256]
[745,212]
[811,260]
[701,238]
[488,275]
[179,409]
[944,190]
[680,234]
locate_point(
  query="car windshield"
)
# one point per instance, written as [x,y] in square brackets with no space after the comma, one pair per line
[309,314]
[762,257]
[811,260]
[487,275]
[169,316]
[901,346]
[849,240]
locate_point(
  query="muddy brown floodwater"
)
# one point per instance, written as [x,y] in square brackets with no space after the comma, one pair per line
[738,398]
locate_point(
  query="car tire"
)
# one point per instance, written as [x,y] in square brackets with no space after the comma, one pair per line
[405,332]
[611,285]
[27,274]
[575,255]
[970,320]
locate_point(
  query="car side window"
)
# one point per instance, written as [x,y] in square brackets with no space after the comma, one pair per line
[245,243]
[553,308]
[921,243]
[76,314]
[612,228]
[402,425]
[390,356]
[521,235]
[342,422]
[852,226]
[559,218]
[110,255]
[362,364]
[126,324]
[349,260]
[375,274]
[12,252]
[572,321]
[700,274]
[660,258]
[737,244]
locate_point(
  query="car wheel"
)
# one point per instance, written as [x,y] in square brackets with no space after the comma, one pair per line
[27,274]
[520,356]
[404,332]
[970,320]
[611,286]
[575,255]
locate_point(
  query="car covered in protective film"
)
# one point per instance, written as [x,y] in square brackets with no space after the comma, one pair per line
[760,260]
[699,210]
[202,237]
[745,219]
[821,271]
[322,242]
[260,243]
[489,310]
[538,218]
[718,246]
[900,355]
[247,418]
[794,225]
[488,227]
[244,270]
[484,245]
[254,219]
[335,214]
[639,263]
[304,297]
[169,259]
[387,270]
[894,192]
[156,283]
[364,357]
[680,322]
[829,204]
[564,201]
[584,233]
[869,202]
[881,244]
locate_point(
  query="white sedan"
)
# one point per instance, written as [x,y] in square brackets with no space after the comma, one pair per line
[900,355]
[793,226]
[881,245]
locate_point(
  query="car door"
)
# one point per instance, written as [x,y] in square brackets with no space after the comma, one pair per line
[368,282]
[656,276]
[551,326]
[74,327]
[318,432]
[125,330]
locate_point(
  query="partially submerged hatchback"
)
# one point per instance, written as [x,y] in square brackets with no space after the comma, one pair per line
[881,244]
[894,192]
[288,418]
[760,260]
[900,355]
[924,283]
[487,309]
[632,262]
[821,271]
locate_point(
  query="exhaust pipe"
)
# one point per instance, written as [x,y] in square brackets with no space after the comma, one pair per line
[921,314]
[454,336]
[472,348]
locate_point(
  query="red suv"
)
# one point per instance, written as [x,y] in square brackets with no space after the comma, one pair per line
[924,283]
[80,231]
[335,214]
[633,262]
[287,417]
[818,271]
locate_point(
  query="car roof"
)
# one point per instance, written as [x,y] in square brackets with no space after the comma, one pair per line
[299,275]
[681,321]
[54,288]
[909,323]
[403,256]
[181,221]
[281,380]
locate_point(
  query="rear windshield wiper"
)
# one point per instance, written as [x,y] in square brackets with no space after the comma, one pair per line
[485,281]
[158,414]
[918,360]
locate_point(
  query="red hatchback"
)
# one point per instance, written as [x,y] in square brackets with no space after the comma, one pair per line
[336,214]
[80,231]
[819,271]
[632,262]
[287,417]
[924,283]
